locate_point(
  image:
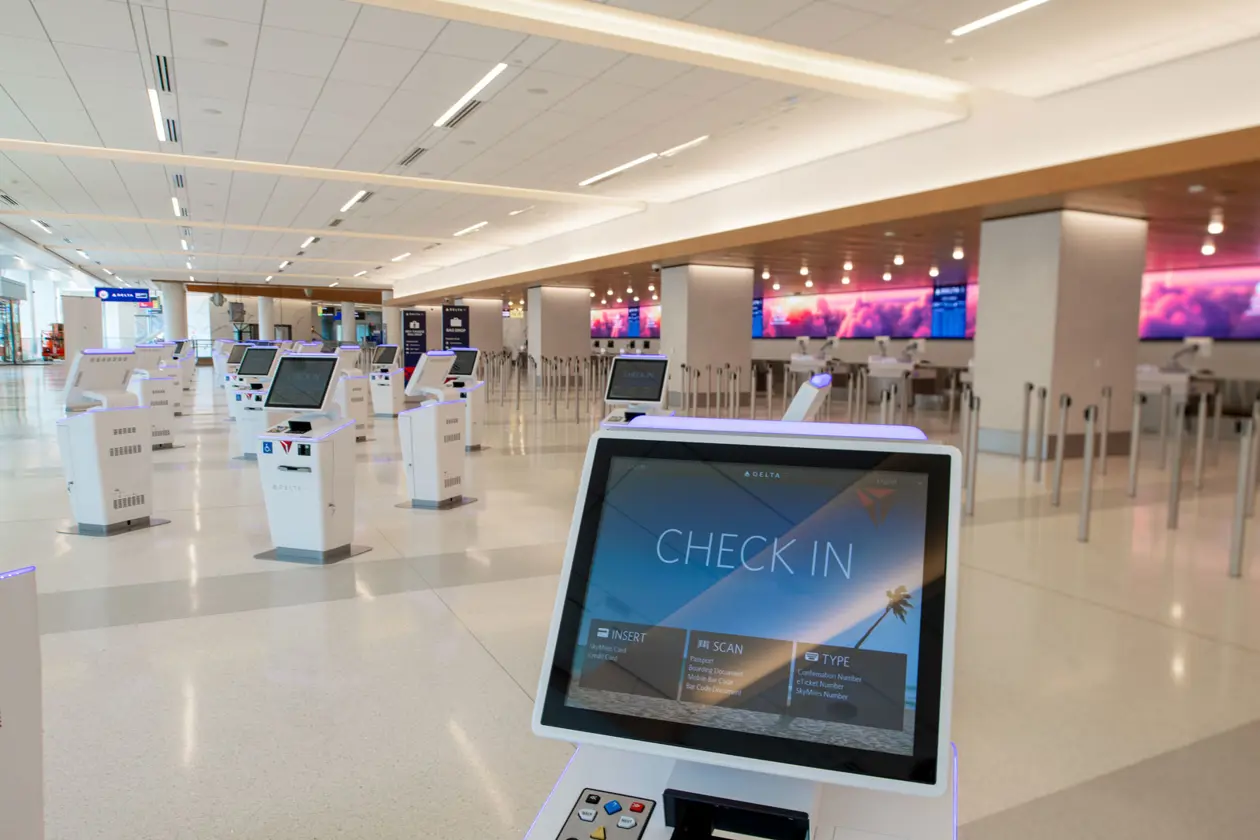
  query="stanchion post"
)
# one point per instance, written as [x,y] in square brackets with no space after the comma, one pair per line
[1238,531]
[1087,482]
[1200,440]
[1252,462]
[1056,492]
[1135,442]
[1218,411]
[1039,454]
[965,421]
[1106,430]
[1165,405]
[1174,487]
[708,395]
[973,452]
[953,399]
[1023,425]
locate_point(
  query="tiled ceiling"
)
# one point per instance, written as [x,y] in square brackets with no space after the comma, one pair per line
[338,84]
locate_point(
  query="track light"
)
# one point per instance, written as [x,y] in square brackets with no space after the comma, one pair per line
[1209,247]
[887,276]
[1217,225]
[629,290]
[654,297]
[651,287]
[934,272]
[845,280]
[809,284]
[848,265]
[592,294]
[775,286]
[804,271]
[958,252]
[765,274]
[899,260]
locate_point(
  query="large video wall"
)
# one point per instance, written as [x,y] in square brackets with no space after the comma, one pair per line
[627,322]
[940,312]
[1220,303]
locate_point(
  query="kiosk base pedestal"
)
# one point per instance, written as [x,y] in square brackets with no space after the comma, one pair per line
[317,558]
[445,504]
[835,813]
[81,529]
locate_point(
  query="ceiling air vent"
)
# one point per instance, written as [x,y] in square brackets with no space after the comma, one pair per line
[431,247]
[179,180]
[411,157]
[183,211]
[463,113]
[334,222]
[187,231]
[172,135]
[163,68]
[8,199]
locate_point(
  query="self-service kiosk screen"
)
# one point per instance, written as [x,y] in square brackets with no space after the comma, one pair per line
[384,355]
[637,380]
[179,347]
[257,362]
[464,364]
[238,353]
[301,382]
[783,604]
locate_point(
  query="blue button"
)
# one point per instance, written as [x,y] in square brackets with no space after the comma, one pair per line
[612,807]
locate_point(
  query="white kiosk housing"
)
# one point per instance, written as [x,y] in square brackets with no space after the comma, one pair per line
[387,382]
[636,386]
[219,352]
[432,436]
[306,463]
[185,356]
[307,347]
[809,399]
[248,386]
[106,446]
[462,379]
[233,362]
[351,394]
[156,391]
[754,634]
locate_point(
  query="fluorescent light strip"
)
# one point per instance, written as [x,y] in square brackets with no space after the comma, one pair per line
[617,170]
[690,144]
[285,264]
[522,210]
[360,274]
[467,97]
[472,229]
[156,107]
[45,228]
[305,244]
[353,201]
[175,204]
[190,277]
[989,20]
[107,271]
[401,257]
[333,284]
[268,280]
[187,263]
[183,243]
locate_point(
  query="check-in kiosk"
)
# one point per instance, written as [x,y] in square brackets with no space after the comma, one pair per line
[351,394]
[233,363]
[432,436]
[462,379]
[636,386]
[247,388]
[809,399]
[387,382]
[219,352]
[156,391]
[186,360]
[753,635]
[306,462]
[106,445]
[307,347]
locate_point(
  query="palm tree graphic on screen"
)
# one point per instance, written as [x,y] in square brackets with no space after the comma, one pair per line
[898,604]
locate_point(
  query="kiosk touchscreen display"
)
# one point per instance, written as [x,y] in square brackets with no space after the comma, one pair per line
[301,382]
[771,608]
[384,355]
[464,364]
[179,347]
[257,361]
[637,380]
[238,353]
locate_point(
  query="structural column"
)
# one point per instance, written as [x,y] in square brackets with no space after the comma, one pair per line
[558,322]
[348,331]
[174,310]
[706,317]
[1059,308]
[391,318]
[485,323]
[266,318]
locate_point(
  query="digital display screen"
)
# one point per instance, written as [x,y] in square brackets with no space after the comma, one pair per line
[301,382]
[1218,303]
[897,313]
[781,601]
[633,321]
[257,362]
[384,355]
[237,353]
[179,347]
[464,364]
[637,380]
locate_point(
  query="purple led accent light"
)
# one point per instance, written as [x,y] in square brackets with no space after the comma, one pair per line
[779,428]
[395,346]
[101,351]
[23,571]
[453,349]
[440,353]
[349,347]
[640,356]
[429,405]
[954,784]
[820,380]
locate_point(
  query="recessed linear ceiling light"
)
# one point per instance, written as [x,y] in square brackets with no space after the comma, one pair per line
[307,243]
[522,210]
[353,200]
[45,228]
[467,97]
[334,284]
[690,144]
[617,170]
[989,20]
[183,243]
[175,205]
[107,271]
[361,273]
[187,263]
[191,278]
[268,279]
[400,257]
[285,264]
[82,253]
[156,107]
[470,229]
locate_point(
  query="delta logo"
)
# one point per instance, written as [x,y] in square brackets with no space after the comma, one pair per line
[762,474]
[878,502]
[286,445]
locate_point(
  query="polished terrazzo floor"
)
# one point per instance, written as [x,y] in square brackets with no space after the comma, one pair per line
[193,691]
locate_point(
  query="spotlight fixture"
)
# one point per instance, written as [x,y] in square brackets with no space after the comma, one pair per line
[522,301]
[636,298]
[603,301]
[765,274]
[651,287]
[848,265]
[1217,225]
[887,276]
[654,297]
[629,290]
[899,260]
[618,300]
[804,271]
[809,284]
[592,294]
[958,252]
[934,272]
[775,286]
[610,292]
[1209,247]
[845,280]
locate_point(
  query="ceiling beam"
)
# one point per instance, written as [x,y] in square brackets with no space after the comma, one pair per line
[288,292]
[585,22]
[315,173]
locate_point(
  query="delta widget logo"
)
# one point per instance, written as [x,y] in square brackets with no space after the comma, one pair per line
[878,502]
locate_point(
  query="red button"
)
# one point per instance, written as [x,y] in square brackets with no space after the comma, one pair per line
[636,806]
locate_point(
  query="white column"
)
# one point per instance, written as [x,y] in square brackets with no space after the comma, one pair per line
[485,323]
[174,310]
[706,319]
[347,323]
[391,317]
[558,322]
[1060,306]
[266,318]
[81,315]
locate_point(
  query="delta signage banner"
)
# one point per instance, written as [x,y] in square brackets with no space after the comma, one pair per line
[109,294]
[21,709]
[454,327]
[415,342]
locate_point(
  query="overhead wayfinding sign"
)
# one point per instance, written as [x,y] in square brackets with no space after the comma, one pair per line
[112,295]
